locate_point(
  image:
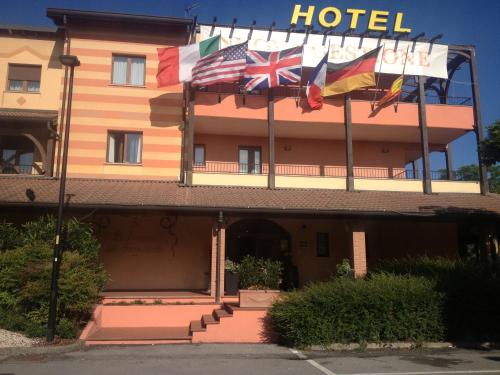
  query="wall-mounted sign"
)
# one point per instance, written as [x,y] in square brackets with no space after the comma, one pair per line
[330,17]
[425,59]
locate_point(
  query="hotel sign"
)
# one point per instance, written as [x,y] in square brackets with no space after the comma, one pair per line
[423,58]
[330,17]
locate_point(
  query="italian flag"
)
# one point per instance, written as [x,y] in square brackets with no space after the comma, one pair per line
[176,63]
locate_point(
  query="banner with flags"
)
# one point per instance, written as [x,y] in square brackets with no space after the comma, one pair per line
[175,64]
[353,75]
[316,83]
[225,65]
[265,70]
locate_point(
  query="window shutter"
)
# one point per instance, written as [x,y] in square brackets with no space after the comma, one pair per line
[25,72]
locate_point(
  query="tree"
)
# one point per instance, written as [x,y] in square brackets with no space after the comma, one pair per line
[470,172]
[490,147]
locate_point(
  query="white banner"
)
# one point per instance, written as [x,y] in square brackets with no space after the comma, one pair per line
[423,61]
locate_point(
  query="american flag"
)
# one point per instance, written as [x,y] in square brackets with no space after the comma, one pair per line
[225,65]
[271,69]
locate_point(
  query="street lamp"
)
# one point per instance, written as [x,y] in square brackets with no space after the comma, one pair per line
[69,61]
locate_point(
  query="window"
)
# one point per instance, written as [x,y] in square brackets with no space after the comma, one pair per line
[250,160]
[199,155]
[322,244]
[124,147]
[24,78]
[16,155]
[128,70]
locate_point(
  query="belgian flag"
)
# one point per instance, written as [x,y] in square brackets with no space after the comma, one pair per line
[352,75]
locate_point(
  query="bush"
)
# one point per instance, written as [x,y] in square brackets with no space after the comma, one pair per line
[26,273]
[259,273]
[472,305]
[381,308]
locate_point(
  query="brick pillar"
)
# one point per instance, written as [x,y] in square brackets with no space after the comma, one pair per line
[213,264]
[358,251]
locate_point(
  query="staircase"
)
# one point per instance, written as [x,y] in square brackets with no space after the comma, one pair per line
[175,324]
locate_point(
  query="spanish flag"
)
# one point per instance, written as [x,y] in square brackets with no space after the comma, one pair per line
[352,75]
[393,93]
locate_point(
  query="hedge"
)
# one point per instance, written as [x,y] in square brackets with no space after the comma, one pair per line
[471,307]
[25,273]
[382,308]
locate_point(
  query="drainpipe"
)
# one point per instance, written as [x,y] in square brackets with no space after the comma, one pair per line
[220,222]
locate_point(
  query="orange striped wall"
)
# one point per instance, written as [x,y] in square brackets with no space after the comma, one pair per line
[100,106]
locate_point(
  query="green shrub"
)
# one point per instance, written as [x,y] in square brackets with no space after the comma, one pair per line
[9,236]
[472,304]
[26,273]
[259,273]
[380,308]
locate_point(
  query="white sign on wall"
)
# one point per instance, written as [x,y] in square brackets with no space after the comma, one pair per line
[422,61]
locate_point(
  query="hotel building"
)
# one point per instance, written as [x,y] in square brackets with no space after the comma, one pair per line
[174,184]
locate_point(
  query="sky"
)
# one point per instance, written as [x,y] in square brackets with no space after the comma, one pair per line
[460,22]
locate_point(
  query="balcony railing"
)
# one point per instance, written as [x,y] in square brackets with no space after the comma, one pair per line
[231,167]
[24,169]
[306,170]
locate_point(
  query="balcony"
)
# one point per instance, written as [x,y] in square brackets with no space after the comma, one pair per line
[21,169]
[326,177]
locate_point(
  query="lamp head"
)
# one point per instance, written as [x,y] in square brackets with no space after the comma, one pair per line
[69,60]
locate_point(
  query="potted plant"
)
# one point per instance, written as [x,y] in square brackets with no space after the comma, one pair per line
[259,281]
[231,278]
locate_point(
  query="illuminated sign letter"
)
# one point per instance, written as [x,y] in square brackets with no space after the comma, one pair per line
[355,16]
[322,17]
[297,13]
[378,20]
[398,22]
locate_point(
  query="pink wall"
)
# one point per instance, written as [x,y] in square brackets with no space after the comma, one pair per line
[315,152]
[140,253]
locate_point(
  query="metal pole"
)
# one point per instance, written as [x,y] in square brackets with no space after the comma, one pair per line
[348,141]
[57,245]
[424,137]
[190,139]
[270,127]
[449,162]
[220,222]
[478,122]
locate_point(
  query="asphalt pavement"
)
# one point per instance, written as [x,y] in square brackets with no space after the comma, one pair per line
[241,359]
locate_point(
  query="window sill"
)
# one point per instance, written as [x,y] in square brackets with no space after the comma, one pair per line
[125,85]
[22,92]
[125,164]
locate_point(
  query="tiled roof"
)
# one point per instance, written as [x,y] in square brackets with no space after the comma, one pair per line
[169,194]
[31,114]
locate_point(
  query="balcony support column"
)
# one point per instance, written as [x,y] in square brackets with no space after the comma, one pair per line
[348,143]
[49,159]
[424,137]
[270,128]
[478,122]
[449,162]
[414,169]
[189,139]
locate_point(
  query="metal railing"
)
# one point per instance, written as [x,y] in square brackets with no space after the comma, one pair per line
[309,170]
[455,176]
[24,169]
[230,167]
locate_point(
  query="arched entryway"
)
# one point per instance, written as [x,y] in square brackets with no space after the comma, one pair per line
[263,239]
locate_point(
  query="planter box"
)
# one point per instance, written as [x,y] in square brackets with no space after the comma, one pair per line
[257,298]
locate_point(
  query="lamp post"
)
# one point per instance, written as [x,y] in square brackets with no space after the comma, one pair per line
[71,62]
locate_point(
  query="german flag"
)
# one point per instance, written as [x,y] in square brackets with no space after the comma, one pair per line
[393,93]
[352,75]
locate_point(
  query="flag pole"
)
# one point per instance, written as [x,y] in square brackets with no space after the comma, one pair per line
[402,78]
[378,79]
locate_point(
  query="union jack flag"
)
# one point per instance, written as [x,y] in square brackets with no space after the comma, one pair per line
[271,69]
